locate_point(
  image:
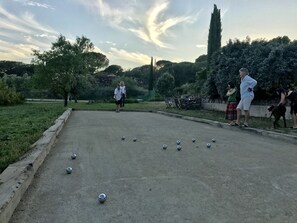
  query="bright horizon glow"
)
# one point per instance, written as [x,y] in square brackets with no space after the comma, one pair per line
[129,32]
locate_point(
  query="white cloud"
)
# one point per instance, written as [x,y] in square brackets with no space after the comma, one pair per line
[135,57]
[111,43]
[155,27]
[224,12]
[151,25]
[22,33]
[201,46]
[25,23]
[34,3]
[11,51]
[29,19]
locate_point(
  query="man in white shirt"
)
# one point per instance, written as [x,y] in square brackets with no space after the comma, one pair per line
[118,96]
[123,88]
[247,95]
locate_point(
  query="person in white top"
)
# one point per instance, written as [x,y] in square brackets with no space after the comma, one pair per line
[118,96]
[123,88]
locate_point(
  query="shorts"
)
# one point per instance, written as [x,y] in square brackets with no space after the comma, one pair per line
[245,103]
[118,102]
[293,108]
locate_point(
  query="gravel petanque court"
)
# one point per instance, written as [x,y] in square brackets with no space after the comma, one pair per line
[242,177]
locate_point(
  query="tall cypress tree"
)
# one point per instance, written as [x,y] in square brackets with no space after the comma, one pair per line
[151,77]
[214,35]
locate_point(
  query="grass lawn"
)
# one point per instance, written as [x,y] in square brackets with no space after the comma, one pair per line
[22,125]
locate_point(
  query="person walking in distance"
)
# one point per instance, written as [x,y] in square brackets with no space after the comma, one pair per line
[246,96]
[118,96]
[123,88]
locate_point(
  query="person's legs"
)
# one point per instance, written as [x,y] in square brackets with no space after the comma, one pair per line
[246,117]
[123,101]
[238,116]
[231,112]
[294,120]
[294,115]
[246,107]
[239,108]
[117,106]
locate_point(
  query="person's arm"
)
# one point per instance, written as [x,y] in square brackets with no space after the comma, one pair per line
[282,100]
[252,84]
[230,92]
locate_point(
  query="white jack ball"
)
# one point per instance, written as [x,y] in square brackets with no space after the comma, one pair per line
[73,156]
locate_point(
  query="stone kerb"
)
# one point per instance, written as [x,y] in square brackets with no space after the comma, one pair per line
[17,177]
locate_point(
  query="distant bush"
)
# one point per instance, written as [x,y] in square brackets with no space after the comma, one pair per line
[9,96]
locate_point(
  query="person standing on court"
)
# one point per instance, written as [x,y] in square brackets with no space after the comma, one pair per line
[118,96]
[231,113]
[292,96]
[246,96]
[123,88]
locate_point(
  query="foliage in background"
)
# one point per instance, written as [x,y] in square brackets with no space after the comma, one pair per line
[165,85]
[63,69]
[114,69]
[272,63]
[214,35]
[16,68]
[151,76]
[8,96]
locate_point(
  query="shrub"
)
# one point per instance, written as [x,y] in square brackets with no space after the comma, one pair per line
[9,96]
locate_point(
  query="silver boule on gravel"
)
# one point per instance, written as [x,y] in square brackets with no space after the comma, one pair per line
[213,140]
[69,170]
[178,147]
[123,138]
[164,147]
[134,139]
[102,198]
[73,156]
[178,142]
[193,140]
[208,145]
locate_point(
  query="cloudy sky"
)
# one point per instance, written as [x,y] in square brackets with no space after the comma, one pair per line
[129,32]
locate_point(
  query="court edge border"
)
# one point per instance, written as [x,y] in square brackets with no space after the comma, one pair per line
[17,177]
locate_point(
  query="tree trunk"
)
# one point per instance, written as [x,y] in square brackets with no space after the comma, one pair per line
[65,100]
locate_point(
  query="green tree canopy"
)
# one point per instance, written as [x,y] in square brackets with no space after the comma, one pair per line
[63,68]
[214,35]
[114,69]
[151,76]
[165,85]
[15,67]
[272,63]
